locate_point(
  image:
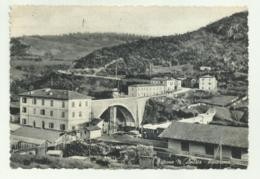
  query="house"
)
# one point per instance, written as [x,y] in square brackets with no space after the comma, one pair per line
[139,90]
[15,112]
[55,109]
[29,138]
[208,83]
[91,130]
[189,82]
[170,84]
[205,68]
[207,141]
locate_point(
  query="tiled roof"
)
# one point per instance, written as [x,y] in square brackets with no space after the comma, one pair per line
[145,85]
[36,133]
[214,134]
[55,94]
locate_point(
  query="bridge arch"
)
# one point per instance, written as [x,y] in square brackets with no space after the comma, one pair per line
[118,105]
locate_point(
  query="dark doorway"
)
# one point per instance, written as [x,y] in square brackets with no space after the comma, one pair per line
[209,148]
[236,153]
[185,146]
[43,124]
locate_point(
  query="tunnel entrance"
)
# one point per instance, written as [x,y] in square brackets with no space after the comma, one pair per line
[117,118]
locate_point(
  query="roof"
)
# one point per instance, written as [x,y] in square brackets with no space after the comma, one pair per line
[220,100]
[162,79]
[144,85]
[207,76]
[223,113]
[156,126]
[93,128]
[14,127]
[54,152]
[95,121]
[36,133]
[214,134]
[55,94]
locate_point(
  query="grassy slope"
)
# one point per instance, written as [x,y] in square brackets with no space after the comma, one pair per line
[218,45]
[69,46]
[45,52]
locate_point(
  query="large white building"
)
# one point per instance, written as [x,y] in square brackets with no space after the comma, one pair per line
[208,83]
[139,90]
[170,84]
[157,86]
[55,109]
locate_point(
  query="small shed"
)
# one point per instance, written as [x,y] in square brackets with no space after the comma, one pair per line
[92,132]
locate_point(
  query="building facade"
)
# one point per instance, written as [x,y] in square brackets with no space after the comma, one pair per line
[208,83]
[208,141]
[140,90]
[170,84]
[54,109]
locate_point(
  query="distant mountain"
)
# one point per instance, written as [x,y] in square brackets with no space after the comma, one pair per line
[65,47]
[221,45]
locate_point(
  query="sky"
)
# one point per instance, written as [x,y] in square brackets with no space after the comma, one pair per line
[142,20]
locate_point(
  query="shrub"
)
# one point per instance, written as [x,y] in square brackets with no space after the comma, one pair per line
[42,160]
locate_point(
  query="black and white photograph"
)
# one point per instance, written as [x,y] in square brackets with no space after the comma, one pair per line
[129,87]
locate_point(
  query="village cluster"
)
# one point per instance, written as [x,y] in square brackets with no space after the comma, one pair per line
[51,118]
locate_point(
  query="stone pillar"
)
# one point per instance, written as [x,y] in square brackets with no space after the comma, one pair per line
[112,119]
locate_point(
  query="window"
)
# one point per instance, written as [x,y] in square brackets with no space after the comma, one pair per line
[43,102]
[24,100]
[51,102]
[80,104]
[236,153]
[34,101]
[185,146]
[73,104]
[209,148]
[63,104]
[62,127]
[42,112]
[86,103]
[73,114]
[43,124]
[63,114]
[34,111]
[80,114]
[73,127]
[51,113]
[24,109]
[24,121]
[51,125]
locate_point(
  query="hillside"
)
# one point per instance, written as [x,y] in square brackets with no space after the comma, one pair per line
[65,47]
[38,54]
[221,45]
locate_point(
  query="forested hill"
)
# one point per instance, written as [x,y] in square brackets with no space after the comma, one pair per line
[65,47]
[222,45]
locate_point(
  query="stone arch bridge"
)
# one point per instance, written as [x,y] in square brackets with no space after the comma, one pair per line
[131,107]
